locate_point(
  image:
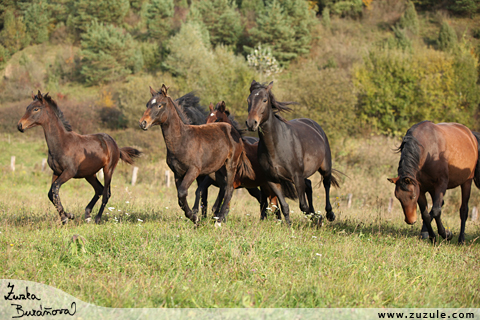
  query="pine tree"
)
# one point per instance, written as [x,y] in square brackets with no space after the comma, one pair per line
[159,15]
[13,35]
[409,19]
[36,21]
[108,54]
[447,38]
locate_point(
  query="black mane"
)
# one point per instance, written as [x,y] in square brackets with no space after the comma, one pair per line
[57,111]
[279,106]
[410,155]
[190,104]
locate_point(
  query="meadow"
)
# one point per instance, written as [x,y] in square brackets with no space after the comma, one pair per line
[145,253]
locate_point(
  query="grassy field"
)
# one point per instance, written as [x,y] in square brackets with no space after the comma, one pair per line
[147,254]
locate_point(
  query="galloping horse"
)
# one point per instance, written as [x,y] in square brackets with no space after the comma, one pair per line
[434,158]
[289,151]
[213,149]
[71,155]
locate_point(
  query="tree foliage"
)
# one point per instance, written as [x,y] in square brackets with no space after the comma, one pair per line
[158,14]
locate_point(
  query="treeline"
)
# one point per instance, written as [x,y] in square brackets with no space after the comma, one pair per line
[410,61]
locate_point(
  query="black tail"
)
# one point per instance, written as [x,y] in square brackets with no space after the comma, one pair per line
[128,154]
[476,177]
[288,189]
[191,105]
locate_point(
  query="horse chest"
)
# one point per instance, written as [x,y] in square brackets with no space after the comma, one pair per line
[54,164]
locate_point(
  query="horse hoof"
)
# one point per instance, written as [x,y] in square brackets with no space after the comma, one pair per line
[88,220]
[317,220]
[449,235]
[424,235]
[330,216]
[65,221]
[218,224]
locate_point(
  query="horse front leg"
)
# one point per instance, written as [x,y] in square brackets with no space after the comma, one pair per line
[277,189]
[427,219]
[182,192]
[54,195]
[437,211]
[202,194]
[466,188]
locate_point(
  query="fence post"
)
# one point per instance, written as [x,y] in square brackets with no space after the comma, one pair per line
[167,178]
[349,200]
[44,164]
[390,205]
[134,175]
[12,163]
[474,214]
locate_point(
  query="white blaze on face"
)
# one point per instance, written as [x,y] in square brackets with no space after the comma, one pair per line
[257,93]
[212,114]
[154,101]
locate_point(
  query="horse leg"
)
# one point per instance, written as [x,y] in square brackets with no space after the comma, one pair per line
[221,182]
[108,173]
[97,186]
[309,193]
[257,194]
[327,181]
[427,219]
[437,211]
[280,198]
[202,193]
[227,192]
[54,194]
[182,192]
[466,188]
[263,204]
[299,183]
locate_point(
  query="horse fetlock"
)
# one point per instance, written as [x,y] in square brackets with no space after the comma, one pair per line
[330,216]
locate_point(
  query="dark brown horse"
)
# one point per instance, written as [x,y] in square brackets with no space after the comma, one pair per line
[71,155]
[289,151]
[434,158]
[211,149]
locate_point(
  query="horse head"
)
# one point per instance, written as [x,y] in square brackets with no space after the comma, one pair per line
[407,191]
[219,113]
[155,113]
[35,113]
[258,104]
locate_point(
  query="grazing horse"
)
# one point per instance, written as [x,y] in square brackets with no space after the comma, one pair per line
[434,158]
[71,155]
[211,149]
[289,151]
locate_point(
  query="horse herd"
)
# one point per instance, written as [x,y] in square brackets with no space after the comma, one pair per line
[273,167]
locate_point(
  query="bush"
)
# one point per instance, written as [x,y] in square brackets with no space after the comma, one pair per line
[447,37]
[409,19]
[108,54]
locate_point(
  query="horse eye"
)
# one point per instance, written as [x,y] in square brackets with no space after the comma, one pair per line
[36,109]
[218,120]
[265,100]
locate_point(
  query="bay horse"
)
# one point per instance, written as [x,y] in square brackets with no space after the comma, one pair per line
[210,149]
[434,158]
[289,151]
[71,155]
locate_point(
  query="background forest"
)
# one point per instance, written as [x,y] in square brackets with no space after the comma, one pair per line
[356,67]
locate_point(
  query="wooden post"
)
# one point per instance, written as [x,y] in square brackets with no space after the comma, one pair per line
[167,178]
[12,163]
[349,201]
[44,164]
[474,214]
[100,174]
[390,205]
[134,175]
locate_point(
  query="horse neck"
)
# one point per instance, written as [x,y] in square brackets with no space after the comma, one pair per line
[173,128]
[270,131]
[54,131]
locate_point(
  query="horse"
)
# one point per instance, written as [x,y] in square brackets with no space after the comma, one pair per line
[289,151]
[211,149]
[435,158]
[219,113]
[71,155]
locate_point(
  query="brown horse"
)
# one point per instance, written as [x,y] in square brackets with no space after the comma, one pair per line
[434,158]
[71,155]
[289,151]
[210,149]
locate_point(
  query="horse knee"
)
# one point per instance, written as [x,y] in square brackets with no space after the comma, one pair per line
[181,193]
[436,212]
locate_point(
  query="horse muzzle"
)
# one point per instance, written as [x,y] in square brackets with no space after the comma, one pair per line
[143,124]
[252,124]
[20,127]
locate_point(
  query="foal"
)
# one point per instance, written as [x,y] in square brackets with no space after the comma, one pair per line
[71,155]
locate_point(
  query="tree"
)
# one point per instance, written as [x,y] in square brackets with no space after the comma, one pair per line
[13,35]
[108,54]
[221,19]
[159,15]
[409,19]
[447,37]
[36,16]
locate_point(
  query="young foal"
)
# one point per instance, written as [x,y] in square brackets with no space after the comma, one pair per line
[71,155]
[213,149]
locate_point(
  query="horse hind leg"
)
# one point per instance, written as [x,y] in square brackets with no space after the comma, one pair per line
[309,194]
[97,186]
[466,188]
[327,182]
[105,194]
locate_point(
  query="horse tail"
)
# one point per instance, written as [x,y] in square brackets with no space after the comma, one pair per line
[334,178]
[244,167]
[476,177]
[128,154]
[288,189]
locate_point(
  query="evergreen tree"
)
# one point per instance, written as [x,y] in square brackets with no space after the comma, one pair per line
[409,19]
[36,21]
[447,38]
[159,15]
[108,54]
[221,18]
[13,35]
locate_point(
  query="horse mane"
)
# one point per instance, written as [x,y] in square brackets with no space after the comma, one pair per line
[181,113]
[190,104]
[57,111]
[233,122]
[279,106]
[410,155]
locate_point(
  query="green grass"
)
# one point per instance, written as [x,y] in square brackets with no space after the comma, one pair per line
[366,258]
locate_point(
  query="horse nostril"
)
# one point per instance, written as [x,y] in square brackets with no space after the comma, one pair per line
[19,127]
[143,124]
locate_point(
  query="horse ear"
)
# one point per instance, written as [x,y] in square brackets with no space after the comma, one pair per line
[164,89]
[153,92]
[393,180]
[227,113]
[210,107]
[39,96]
[269,87]
[251,85]
[221,106]
[46,95]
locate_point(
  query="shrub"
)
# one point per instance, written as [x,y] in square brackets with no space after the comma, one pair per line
[409,19]
[447,37]
[13,35]
[108,54]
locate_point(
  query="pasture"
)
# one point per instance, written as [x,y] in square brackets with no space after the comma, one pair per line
[145,253]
